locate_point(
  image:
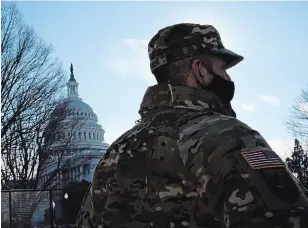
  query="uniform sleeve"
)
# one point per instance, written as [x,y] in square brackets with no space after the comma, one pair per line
[243,182]
[118,184]
[92,208]
[85,215]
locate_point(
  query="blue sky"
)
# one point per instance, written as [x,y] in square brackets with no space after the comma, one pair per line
[107,43]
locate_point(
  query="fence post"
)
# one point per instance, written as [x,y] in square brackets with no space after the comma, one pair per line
[51,209]
[10,207]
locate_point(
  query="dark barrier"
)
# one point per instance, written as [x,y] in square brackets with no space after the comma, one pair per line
[38,208]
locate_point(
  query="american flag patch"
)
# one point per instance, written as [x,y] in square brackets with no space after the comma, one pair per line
[262,158]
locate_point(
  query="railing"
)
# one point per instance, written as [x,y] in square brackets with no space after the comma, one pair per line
[38,208]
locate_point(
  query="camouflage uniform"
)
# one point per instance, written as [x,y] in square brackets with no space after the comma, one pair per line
[189,162]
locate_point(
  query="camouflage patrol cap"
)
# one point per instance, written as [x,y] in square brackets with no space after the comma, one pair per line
[182,40]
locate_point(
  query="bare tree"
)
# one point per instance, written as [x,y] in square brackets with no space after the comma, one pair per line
[35,116]
[31,86]
[38,125]
[297,124]
[298,119]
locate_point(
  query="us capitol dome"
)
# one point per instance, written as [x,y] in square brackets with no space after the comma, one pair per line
[87,142]
[77,162]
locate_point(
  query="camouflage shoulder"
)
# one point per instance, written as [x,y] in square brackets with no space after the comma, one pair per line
[140,128]
[129,139]
[122,138]
[211,119]
[214,127]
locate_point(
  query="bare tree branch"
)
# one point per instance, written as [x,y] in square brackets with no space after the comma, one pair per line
[297,122]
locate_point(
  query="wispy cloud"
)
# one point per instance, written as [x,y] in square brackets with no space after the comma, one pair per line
[129,58]
[272,100]
[248,107]
[282,147]
[136,43]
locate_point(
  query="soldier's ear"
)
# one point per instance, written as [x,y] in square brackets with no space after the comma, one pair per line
[200,72]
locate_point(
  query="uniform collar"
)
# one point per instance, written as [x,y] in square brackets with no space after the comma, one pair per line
[164,96]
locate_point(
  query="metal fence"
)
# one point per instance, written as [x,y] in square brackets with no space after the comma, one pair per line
[53,208]
[49,208]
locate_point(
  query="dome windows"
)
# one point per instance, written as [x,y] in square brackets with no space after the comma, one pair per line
[88,115]
[85,135]
[79,135]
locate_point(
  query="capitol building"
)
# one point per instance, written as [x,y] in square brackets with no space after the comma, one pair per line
[86,141]
[79,161]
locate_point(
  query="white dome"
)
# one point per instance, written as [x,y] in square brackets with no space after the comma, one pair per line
[88,133]
[83,109]
[83,140]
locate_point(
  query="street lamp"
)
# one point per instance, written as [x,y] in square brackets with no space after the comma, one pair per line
[66,196]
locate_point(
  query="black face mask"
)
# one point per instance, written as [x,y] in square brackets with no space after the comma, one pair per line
[221,87]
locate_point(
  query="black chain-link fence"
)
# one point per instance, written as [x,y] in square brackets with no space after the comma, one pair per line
[25,208]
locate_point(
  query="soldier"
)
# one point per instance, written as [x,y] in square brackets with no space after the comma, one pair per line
[189,162]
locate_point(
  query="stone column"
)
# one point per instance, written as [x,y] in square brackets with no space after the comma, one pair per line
[74,173]
[81,171]
[71,175]
[61,179]
[78,173]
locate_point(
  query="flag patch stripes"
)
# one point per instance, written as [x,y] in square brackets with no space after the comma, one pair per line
[262,158]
